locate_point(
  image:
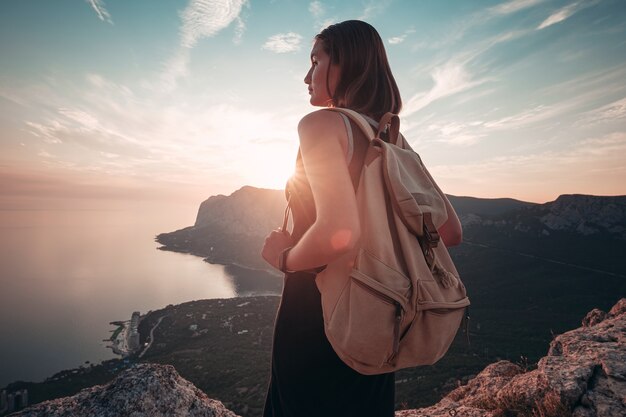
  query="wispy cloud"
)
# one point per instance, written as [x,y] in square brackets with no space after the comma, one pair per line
[47,130]
[98,6]
[458,30]
[283,42]
[205,18]
[176,67]
[374,8]
[107,127]
[614,111]
[317,9]
[564,13]
[455,133]
[399,39]
[200,19]
[449,79]
[543,175]
[513,6]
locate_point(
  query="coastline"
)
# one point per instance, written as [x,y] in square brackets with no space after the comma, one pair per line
[214,261]
[247,279]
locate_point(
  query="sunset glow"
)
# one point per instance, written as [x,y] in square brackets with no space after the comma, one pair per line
[180,100]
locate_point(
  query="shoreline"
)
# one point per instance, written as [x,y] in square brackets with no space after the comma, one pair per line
[217,262]
[116,345]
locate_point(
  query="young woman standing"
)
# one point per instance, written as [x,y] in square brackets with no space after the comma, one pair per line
[349,68]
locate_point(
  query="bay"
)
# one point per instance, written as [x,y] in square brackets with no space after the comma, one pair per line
[66,273]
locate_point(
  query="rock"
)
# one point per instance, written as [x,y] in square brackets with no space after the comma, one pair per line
[148,390]
[619,308]
[583,375]
[587,215]
[470,219]
[594,317]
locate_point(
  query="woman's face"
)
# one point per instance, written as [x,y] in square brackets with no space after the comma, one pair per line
[318,75]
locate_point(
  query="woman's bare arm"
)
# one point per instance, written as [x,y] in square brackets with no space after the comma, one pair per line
[337,228]
[451,231]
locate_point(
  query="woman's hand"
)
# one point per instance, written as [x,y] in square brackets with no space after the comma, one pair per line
[276,242]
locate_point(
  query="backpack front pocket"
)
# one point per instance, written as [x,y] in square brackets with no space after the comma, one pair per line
[365,324]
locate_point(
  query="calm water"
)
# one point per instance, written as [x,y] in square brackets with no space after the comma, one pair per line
[65,274]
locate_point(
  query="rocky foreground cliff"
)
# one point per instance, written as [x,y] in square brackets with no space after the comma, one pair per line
[583,375]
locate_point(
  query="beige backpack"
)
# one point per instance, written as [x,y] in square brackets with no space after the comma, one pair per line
[396,300]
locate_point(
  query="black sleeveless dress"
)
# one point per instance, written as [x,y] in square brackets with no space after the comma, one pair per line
[307,377]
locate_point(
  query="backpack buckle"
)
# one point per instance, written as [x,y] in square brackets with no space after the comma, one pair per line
[430,231]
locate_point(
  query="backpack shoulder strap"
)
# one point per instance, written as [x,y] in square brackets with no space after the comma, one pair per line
[358,119]
[350,152]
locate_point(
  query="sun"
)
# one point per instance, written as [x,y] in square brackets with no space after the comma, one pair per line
[270,167]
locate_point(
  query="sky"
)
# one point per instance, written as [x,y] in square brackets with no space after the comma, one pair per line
[124,100]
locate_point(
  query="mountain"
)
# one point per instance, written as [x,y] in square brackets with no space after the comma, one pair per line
[588,229]
[582,375]
[583,215]
[230,229]
[486,206]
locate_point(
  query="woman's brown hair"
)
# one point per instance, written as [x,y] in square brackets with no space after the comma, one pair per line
[366,83]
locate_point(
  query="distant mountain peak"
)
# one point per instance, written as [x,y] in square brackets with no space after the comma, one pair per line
[587,214]
[585,199]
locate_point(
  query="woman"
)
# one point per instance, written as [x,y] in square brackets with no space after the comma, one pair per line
[349,68]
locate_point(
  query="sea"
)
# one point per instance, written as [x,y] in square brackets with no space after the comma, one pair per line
[66,273]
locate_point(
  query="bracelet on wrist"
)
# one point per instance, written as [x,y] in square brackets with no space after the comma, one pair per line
[282,260]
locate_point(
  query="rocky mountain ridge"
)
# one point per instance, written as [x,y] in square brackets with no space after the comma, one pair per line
[249,210]
[231,229]
[583,375]
[578,214]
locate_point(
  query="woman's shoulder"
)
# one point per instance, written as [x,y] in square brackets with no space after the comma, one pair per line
[319,121]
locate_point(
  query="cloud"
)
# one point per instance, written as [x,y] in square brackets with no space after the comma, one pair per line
[319,12]
[399,39]
[542,176]
[47,131]
[98,6]
[449,79]
[614,111]
[239,30]
[580,93]
[200,19]
[317,9]
[458,29]
[562,14]
[512,6]
[105,127]
[283,42]
[176,67]
[205,18]
[450,132]
[373,8]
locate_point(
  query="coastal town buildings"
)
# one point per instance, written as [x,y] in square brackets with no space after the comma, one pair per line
[14,401]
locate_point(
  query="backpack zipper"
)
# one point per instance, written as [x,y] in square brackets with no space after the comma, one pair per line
[397,315]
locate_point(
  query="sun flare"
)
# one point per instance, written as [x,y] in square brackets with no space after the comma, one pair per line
[270,167]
